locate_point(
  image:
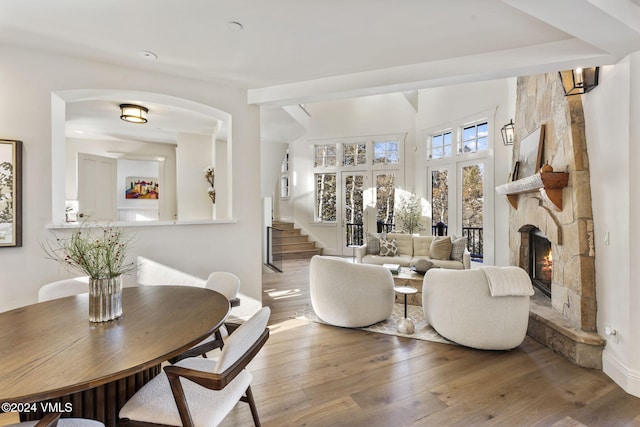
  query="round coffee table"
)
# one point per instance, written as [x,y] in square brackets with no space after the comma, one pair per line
[405,325]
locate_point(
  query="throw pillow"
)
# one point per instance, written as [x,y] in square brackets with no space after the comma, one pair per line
[440,248]
[373,243]
[458,245]
[422,265]
[388,247]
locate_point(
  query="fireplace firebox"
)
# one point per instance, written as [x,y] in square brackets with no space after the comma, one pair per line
[541,261]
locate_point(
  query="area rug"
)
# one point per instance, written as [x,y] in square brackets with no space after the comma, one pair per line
[423,331]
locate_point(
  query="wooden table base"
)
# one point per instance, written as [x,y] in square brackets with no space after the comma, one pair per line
[101,403]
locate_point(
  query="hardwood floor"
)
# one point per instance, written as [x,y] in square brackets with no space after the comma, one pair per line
[310,374]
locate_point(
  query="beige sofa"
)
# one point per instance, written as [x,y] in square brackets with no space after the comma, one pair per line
[412,247]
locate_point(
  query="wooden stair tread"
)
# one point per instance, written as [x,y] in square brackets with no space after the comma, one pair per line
[291,244]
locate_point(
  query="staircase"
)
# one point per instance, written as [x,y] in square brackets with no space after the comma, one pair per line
[293,244]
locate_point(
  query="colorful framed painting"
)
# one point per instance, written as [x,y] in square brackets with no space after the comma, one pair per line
[142,188]
[10,193]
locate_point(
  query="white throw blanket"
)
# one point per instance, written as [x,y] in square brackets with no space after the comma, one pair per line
[508,281]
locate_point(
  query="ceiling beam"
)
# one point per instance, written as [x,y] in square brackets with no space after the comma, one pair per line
[548,57]
[610,25]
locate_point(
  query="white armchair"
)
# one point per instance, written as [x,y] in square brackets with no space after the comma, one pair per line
[350,295]
[459,306]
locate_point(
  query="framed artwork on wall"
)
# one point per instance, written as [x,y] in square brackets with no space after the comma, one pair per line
[10,193]
[141,188]
[530,154]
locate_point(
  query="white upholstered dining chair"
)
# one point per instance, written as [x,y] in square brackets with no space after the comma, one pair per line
[53,420]
[228,284]
[201,392]
[63,288]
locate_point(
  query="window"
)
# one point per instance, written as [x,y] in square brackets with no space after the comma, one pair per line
[284,177]
[285,163]
[386,152]
[326,197]
[341,168]
[475,137]
[458,166]
[325,155]
[355,154]
[284,187]
[441,145]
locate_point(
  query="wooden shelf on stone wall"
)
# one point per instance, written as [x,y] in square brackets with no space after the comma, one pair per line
[549,184]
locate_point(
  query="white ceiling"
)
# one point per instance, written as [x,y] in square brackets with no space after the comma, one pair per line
[296,51]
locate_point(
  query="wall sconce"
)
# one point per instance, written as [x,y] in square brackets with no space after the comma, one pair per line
[133,113]
[579,81]
[508,133]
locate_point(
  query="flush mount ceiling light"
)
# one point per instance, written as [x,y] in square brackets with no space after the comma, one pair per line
[579,81]
[508,133]
[133,113]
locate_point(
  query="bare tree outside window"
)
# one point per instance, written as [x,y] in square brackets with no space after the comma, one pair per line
[472,195]
[355,154]
[354,203]
[325,155]
[326,197]
[385,196]
[439,197]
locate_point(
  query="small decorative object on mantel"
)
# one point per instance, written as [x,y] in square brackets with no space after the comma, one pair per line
[546,168]
[209,175]
[99,253]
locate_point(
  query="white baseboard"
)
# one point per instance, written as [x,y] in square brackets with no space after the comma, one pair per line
[628,379]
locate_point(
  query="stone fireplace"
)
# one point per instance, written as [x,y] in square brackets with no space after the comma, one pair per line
[560,238]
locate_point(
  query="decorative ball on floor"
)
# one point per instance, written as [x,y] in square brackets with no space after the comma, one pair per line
[405,326]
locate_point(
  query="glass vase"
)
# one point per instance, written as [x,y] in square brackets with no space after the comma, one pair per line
[105,299]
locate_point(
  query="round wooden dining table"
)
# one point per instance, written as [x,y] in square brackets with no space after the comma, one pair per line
[53,358]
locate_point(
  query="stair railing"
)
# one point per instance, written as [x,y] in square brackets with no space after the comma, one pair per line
[274,248]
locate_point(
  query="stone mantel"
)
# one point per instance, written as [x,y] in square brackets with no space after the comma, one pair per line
[549,184]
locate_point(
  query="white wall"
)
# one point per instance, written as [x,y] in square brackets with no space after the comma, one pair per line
[27,80]
[193,155]
[613,135]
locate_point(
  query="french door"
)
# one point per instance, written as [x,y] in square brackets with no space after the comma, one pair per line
[367,199]
[353,188]
[440,196]
[456,192]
